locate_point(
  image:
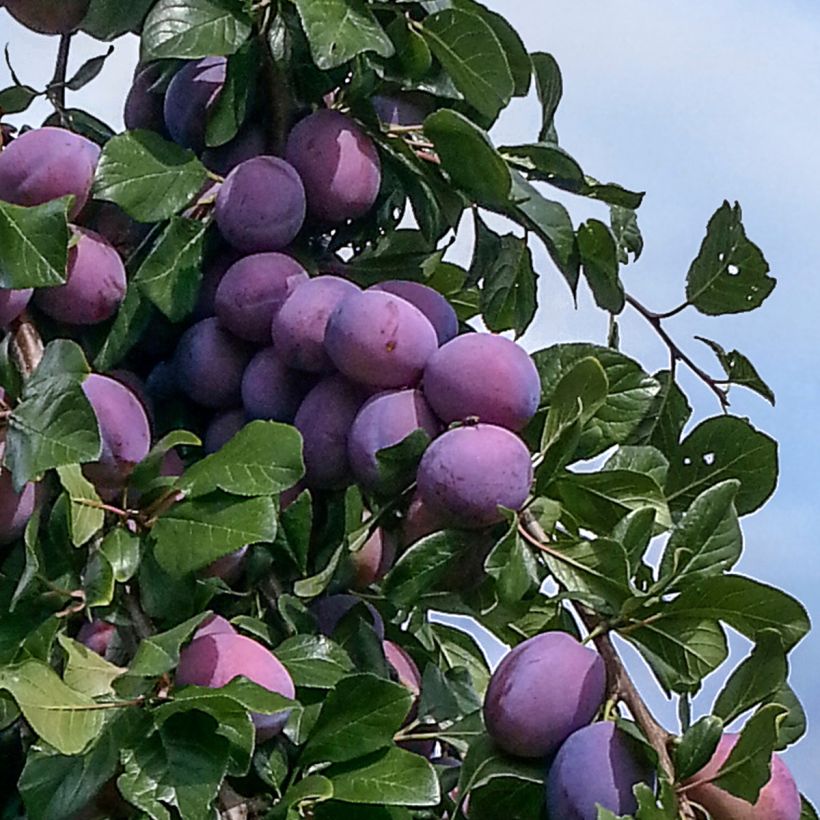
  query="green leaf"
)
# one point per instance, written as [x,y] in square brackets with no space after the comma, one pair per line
[194,29]
[86,518]
[398,464]
[509,294]
[231,107]
[131,322]
[160,653]
[314,661]
[485,763]
[17,98]
[730,274]
[392,777]
[171,274]
[107,21]
[34,244]
[150,178]
[550,87]
[338,30]
[123,551]
[263,458]
[599,261]
[585,382]
[757,679]
[314,788]
[793,726]
[513,566]
[98,581]
[460,649]
[295,526]
[360,715]
[697,746]
[85,671]
[624,224]
[721,448]
[807,811]
[640,459]
[472,55]
[64,718]
[88,71]
[195,533]
[634,531]
[739,370]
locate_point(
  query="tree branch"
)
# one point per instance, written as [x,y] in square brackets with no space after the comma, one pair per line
[56,88]
[143,625]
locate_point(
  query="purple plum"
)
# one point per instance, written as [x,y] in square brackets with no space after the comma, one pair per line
[330,610]
[213,273]
[403,109]
[13,303]
[48,16]
[430,302]
[223,427]
[372,561]
[15,508]
[190,98]
[250,142]
[215,625]
[144,103]
[269,389]
[97,635]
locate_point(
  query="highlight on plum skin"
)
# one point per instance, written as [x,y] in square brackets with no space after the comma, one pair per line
[190,97]
[270,390]
[430,302]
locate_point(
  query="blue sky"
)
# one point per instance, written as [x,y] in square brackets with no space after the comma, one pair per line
[694,103]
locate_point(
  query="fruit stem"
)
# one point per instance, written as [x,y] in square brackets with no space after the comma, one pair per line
[26,345]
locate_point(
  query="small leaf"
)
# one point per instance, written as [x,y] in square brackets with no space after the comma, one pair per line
[314,661]
[89,71]
[87,672]
[17,98]
[509,294]
[550,87]
[697,746]
[740,371]
[160,653]
[85,511]
[599,261]
[132,320]
[123,551]
[231,107]
[624,225]
[639,459]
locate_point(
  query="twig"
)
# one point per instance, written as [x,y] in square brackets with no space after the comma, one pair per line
[56,88]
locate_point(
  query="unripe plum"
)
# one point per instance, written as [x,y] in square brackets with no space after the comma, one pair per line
[250,142]
[48,16]
[269,389]
[214,660]
[324,420]
[778,800]
[379,339]
[468,472]
[430,302]
[191,95]
[299,328]
[330,610]
[598,764]
[223,427]
[143,105]
[261,205]
[385,420]
[13,303]
[15,508]
[542,691]
[97,635]
[215,625]
[229,567]
[372,561]
[95,287]
[48,163]
[210,362]
[338,163]
[253,290]
[486,376]
[124,430]
[403,109]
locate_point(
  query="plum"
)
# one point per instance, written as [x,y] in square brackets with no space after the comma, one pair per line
[330,610]
[324,420]
[15,508]
[407,672]
[420,521]
[215,659]
[13,303]
[338,163]
[48,16]
[95,286]
[598,764]
[253,290]
[123,233]
[124,431]
[210,362]
[468,472]
[213,273]
[269,389]
[379,339]
[299,328]
[778,800]
[223,427]
[430,302]
[250,142]
[137,386]
[372,561]
[97,635]
[48,163]
[485,376]
[229,567]
[403,109]
[144,104]
[162,383]
[215,625]
[385,420]
[542,691]
[190,97]
[261,205]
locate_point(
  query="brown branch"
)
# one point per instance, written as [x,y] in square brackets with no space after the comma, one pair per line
[56,88]
[26,345]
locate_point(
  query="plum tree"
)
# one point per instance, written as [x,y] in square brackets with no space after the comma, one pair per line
[778,800]
[144,105]
[261,205]
[380,340]
[48,17]
[485,376]
[469,472]
[372,561]
[430,302]
[222,428]
[299,328]
[210,363]
[13,303]
[338,163]
[217,658]
[252,291]
[269,389]
[190,97]
[383,421]
[97,635]
[597,765]
[48,163]
[542,691]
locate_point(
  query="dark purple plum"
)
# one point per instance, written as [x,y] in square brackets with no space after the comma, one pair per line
[298,329]
[468,472]
[373,560]
[270,390]
[324,420]
[330,610]
[162,383]
[215,659]
[598,764]
[403,109]
[250,142]
[229,567]
[144,103]
[778,800]
[95,287]
[381,340]
[13,303]
[253,290]
[124,430]
[261,205]
[338,163]
[542,691]
[210,362]
[15,508]
[46,164]
[213,273]
[430,302]
[48,16]
[223,427]
[190,97]
[97,635]
[385,420]
[485,376]
[123,233]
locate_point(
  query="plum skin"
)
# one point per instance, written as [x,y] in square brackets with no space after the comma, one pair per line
[330,610]
[596,764]
[97,635]
[778,800]
[338,163]
[486,376]
[15,508]
[430,302]
[269,389]
[222,428]
[542,691]
[190,96]
[13,303]
[143,107]
[468,472]
[379,339]
[48,16]
[250,142]
[372,561]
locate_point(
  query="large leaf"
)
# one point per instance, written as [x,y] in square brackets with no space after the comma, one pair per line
[86,513]
[697,746]
[599,261]
[740,371]
[160,653]
[107,21]
[314,661]
[86,671]
[131,322]
[509,294]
